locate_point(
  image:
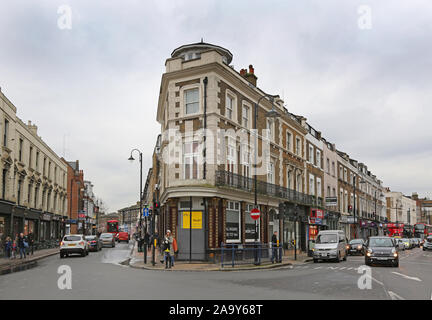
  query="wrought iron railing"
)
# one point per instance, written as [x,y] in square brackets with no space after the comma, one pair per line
[229,179]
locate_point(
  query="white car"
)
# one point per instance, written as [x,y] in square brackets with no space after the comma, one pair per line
[73,243]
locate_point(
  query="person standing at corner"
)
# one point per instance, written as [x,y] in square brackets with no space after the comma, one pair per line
[169,250]
[275,247]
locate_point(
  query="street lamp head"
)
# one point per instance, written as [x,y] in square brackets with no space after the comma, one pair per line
[272,114]
[131,159]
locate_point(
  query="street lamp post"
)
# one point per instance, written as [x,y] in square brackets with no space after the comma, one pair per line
[354,207]
[140,197]
[272,113]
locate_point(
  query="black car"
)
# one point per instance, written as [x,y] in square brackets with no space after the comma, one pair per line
[382,250]
[356,246]
[94,243]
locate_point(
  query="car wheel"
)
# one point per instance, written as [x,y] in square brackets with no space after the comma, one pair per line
[61,255]
[396,264]
[315,260]
[83,254]
[338,257]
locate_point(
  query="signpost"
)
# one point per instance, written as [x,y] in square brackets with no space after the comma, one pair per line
[255,214]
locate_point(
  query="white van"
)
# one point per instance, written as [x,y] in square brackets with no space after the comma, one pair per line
[329,245]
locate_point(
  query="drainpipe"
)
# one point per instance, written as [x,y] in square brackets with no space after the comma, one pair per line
[205,81]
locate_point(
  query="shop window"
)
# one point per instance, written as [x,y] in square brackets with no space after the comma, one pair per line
[233,225]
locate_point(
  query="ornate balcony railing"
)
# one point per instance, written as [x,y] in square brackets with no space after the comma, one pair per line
[229,179]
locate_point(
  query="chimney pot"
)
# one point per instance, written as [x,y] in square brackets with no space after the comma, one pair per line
[251,69]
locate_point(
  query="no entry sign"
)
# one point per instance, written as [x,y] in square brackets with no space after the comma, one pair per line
[255,214]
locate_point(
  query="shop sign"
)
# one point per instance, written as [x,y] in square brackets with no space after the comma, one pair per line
[315,221]
[196,220]
[46,217]
[331,201]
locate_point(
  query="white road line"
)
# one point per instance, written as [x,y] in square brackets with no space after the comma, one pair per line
[395,296]
[317,268]
[342,268]
[407,277]
[350,268]
[379,282]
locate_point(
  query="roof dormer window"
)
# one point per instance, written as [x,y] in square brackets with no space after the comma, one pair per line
[191,56]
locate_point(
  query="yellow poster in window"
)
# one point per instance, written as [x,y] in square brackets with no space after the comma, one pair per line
[196,220]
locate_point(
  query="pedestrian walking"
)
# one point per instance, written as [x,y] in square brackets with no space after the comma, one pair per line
[14,249]
[275,247]
[31,242]
[21,245]
[8,247]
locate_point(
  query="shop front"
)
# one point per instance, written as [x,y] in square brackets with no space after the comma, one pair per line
[315,224]
[45,227]
[331,220]
[5,220]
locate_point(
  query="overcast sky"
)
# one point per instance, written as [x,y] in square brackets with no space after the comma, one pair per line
[366,84]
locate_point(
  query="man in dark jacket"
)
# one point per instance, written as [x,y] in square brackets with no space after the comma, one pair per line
[275,247]
[31,243]
[21,245]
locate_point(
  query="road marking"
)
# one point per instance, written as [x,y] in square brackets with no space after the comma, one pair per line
[395,296]
[317,268]
[350,268]
[379,282]
[407,277]
[342,268]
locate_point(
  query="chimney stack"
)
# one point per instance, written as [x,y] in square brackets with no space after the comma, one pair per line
[249,76]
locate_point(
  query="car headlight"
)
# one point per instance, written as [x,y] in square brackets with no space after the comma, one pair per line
[359,247]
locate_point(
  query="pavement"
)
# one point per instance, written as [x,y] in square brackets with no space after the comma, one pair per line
[8,265]
[137,261]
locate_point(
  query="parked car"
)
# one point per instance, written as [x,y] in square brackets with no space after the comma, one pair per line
[123,236]
[382,250]
[356,246]
[73,243]
[329,245]
[427,245]
[108,239]
[94,243]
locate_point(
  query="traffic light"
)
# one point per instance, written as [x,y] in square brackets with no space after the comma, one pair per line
[350,208]
[156,207]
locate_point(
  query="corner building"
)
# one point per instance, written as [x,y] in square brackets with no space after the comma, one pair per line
[206,110]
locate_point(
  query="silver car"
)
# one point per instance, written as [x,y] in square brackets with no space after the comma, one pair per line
[108,239]
[330,245]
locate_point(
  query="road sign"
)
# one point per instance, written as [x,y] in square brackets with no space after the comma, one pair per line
[145,212]
[255,213]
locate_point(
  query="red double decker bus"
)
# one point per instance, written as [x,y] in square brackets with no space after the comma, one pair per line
[113,226]
[422,230]
[395,229]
